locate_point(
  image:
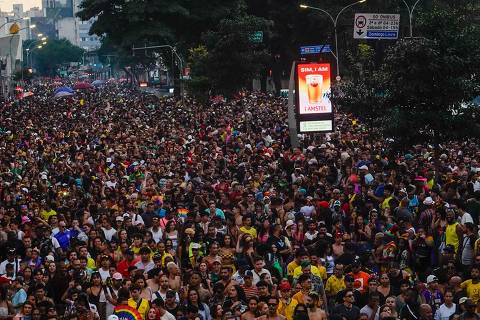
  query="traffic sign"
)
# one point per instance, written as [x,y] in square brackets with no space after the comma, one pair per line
[376,26]
[323,48]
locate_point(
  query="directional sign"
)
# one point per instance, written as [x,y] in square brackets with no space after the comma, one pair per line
[376,26]
[323,48]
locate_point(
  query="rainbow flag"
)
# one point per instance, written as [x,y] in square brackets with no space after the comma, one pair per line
[127,313]
[182,213]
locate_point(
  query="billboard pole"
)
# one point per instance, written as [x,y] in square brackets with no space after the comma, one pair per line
[292,123]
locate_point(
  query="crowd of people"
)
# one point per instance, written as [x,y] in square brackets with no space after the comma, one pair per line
[110,200]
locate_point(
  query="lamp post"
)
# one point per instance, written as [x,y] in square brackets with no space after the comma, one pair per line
[4,24]
[335,22]
[410,14]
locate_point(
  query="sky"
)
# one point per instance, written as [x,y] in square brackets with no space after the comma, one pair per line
[6,5]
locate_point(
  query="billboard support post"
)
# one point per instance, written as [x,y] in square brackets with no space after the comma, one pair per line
[292,122]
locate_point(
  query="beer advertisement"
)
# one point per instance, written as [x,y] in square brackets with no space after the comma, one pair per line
[314,88]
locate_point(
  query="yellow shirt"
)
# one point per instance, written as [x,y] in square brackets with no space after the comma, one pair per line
[142,309]
[314,270]
[291,268]
[386,202]
[91,264]
[298,297]
[47,214]
[135,250]
[472,289]
[252,231]
[286,310]
[334,285]
[451,236]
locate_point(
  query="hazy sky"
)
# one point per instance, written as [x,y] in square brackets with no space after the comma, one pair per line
[6,5]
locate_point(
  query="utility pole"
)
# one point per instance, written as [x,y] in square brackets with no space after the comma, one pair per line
[410,14]
[175,54]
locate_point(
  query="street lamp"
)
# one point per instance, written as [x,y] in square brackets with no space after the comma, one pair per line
[24,18]
[410,14]
[334,21]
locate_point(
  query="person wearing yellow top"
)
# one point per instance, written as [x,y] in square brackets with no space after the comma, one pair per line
[453,232]
[387,196]
[286,305]
[300,255]
[336,282]
[137,244]
[247,227]
[47,213]
[472,286]
[313,270]
[140,304]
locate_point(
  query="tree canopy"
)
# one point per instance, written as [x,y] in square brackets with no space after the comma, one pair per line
[54,53]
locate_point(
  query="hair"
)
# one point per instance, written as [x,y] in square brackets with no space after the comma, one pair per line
[303,277]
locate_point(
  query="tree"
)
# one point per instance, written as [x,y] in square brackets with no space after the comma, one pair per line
[55,53]
[234,59]
[423,88]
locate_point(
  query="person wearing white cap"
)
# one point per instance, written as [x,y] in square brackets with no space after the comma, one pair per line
[367,176]
[427,215]
[431,295]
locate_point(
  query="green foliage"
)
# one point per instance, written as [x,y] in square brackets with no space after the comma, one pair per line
[233,60]
[54,53]
[421,90]
[199,83]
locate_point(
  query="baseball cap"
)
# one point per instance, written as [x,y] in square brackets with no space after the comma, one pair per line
[117,276]
[119,218]
[248,273]
[289,224]
[462,300]
[431,278]
[196,246]
[129,252]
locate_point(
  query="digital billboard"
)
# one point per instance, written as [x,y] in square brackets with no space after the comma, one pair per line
[313,87]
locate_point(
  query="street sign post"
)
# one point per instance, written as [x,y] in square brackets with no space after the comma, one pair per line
[323,48]
[376,26]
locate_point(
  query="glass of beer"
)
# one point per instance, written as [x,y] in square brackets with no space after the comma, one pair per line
[314,85]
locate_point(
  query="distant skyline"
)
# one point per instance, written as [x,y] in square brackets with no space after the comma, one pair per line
[6,5]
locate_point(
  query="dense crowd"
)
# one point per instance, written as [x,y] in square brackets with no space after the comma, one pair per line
[198,211]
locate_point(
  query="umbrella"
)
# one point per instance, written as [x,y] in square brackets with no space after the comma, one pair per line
[62,94]
[98,83]
[63,89]
[82,85]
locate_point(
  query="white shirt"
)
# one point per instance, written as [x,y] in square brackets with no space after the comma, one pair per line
[109,233]
[466,218]
[4,263]
[167,316]
[444,313]
[256,276]
[368,311]
[104,274]
[157,235]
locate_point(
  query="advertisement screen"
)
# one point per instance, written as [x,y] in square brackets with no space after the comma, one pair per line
[314,88]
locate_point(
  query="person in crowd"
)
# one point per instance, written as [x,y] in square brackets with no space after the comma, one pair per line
[204,210]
